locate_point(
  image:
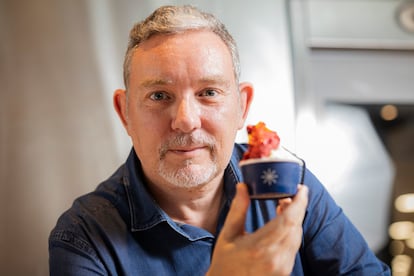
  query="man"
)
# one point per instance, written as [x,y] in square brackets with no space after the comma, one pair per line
[177,207]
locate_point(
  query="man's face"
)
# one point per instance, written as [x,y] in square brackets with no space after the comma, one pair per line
[184,108]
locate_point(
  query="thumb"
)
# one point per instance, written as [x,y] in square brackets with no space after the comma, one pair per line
[236,218]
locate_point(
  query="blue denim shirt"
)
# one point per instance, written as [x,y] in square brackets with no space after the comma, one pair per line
[120,230]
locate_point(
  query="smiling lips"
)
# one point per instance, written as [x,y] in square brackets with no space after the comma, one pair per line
[187,150]
[187,146]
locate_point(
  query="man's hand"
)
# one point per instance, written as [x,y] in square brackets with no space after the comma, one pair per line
[271,250]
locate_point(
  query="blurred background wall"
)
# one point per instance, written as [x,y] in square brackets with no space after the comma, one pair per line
[353,64]
[60,62]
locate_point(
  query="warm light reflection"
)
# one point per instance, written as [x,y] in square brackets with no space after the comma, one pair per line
[389,112]
[401,265]
[401,230]
[396,248]
[405,203]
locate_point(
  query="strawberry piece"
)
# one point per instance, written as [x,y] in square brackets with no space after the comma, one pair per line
[261,141]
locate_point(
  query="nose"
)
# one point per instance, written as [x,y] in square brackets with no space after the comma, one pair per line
[187,116]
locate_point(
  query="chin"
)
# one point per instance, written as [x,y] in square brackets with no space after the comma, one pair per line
[190,176]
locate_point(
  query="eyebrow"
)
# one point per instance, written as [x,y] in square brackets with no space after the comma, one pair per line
[215,79]
[212,80]
[155,82]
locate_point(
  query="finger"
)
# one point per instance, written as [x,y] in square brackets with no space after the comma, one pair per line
[235,221]
[294,213]
[297,207]
[293,238]
[282,204]
[292,216]
[290,246]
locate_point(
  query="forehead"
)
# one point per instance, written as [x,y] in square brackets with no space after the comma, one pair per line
[191,37]
[192,52]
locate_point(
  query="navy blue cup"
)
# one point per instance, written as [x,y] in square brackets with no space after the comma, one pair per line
[269,179]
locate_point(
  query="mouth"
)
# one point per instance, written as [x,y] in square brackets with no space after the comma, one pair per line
[187,146]
[194,150]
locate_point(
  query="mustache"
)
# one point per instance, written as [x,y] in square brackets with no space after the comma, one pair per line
[187,140]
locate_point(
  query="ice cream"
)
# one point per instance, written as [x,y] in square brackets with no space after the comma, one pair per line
[264,144]
[269,170]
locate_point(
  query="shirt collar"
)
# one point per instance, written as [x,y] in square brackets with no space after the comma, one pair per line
[145,212]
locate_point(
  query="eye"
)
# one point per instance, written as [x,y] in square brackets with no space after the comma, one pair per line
[159,96]
[209,93]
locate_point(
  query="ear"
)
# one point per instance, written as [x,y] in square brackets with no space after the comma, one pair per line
[246,98]
[120,105]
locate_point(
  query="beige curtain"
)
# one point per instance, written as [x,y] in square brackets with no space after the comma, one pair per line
[56,140]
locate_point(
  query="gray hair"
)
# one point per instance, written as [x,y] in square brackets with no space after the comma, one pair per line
[177,19]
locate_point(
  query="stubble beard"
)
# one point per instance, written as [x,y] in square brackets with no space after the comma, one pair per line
[188,174]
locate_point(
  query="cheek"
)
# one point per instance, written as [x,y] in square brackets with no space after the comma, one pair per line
[227,117]
[224,123]
[146,131]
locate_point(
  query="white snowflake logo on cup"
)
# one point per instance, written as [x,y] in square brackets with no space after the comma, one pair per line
[269,176]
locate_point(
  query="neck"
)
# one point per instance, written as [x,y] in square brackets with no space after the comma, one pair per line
[199,206]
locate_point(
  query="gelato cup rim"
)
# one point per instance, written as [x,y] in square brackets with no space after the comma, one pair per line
[293,159]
